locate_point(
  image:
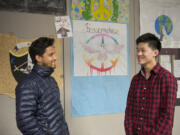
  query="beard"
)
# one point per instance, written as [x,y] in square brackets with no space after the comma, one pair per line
[49,65]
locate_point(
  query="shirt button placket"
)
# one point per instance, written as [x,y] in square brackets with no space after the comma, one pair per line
[139,130]
[143,98]
[142,109]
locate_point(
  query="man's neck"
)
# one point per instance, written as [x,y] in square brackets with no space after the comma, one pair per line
[148,68]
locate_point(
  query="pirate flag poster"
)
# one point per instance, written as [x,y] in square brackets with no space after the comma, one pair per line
[16,62]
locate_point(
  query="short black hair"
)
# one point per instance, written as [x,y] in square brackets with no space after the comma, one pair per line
[39,46]
[151,39]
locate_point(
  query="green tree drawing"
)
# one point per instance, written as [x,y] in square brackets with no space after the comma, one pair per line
[87,12]
[115,11]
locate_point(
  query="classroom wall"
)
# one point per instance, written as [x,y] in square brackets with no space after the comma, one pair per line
[25,25]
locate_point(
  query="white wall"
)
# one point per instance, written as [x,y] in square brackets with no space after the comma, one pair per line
[7,116]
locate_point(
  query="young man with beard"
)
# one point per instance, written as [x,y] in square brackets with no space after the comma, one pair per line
[38,106]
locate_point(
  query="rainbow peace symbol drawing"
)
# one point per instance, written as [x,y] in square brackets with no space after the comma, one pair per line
[101,53]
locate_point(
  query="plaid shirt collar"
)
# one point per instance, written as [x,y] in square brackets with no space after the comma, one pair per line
[155,70]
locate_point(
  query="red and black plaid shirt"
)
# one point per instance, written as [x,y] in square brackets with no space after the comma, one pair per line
[151,103]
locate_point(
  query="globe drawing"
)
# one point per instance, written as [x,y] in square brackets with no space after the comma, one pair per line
[163,25]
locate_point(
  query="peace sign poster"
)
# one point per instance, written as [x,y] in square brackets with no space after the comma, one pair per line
[99,56]
[101,10]
[100,49]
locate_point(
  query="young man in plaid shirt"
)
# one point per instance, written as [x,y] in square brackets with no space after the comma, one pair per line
[152,94]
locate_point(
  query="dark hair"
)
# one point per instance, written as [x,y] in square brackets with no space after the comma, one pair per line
[151,39]
[39,46]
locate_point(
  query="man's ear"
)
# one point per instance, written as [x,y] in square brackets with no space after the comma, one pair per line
[38,58]
[156,52]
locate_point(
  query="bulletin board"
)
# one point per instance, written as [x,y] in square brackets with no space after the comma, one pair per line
[169,58]
[14,62]
[57,7]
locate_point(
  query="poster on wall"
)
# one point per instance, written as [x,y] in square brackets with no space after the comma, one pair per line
[17,64]
[101,10]
[163,21]
[63,26]
[99,56]
[100,48]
